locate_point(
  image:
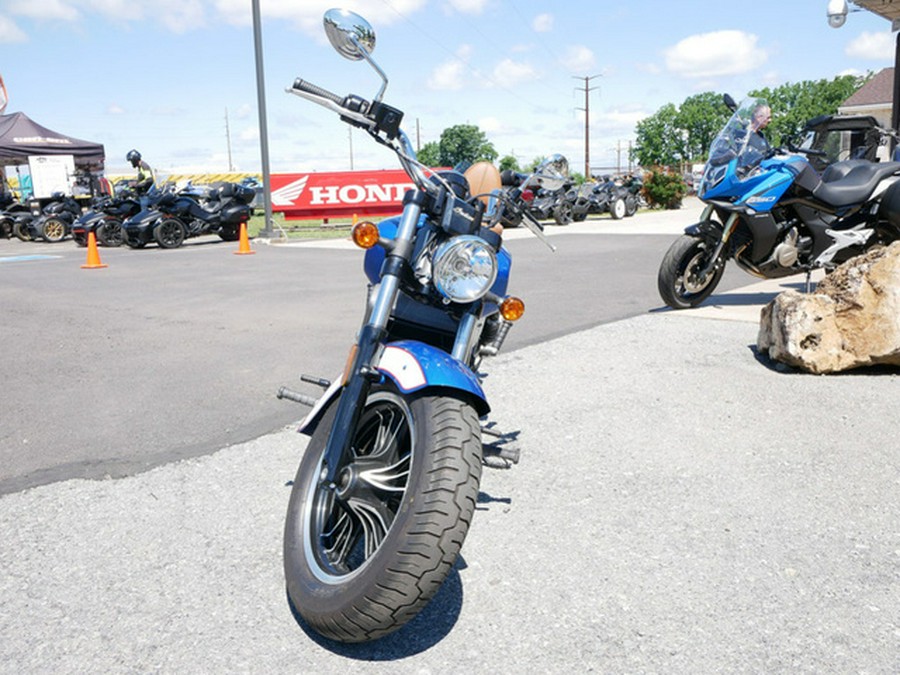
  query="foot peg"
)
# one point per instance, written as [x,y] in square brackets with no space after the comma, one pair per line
[297,397]
[499,454]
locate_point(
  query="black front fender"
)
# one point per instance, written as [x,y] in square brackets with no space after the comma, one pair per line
[710,230]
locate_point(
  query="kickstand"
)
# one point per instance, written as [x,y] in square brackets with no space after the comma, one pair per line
[808,280]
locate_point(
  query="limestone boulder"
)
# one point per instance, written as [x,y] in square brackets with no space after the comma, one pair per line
[851,320]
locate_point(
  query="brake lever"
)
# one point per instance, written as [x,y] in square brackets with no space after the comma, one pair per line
[529,221]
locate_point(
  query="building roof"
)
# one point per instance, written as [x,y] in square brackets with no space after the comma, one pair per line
[888,9]
[877,91]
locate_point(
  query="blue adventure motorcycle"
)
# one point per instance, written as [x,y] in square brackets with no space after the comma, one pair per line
[772,213]
[387,486]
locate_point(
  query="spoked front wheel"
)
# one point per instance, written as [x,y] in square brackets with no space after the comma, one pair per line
[363,556]
[681,281]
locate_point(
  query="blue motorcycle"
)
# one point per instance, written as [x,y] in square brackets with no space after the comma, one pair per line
[772,213]
[387,486]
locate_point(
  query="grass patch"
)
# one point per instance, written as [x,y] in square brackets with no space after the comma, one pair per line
[335,228]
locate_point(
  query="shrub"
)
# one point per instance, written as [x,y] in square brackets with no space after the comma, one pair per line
[664,188]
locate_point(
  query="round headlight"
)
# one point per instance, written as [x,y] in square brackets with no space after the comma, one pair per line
[464,268]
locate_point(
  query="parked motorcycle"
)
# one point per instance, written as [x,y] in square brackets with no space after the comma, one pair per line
[173,216]
[387,487]
[772,213]
[106,218]
[604,196]
[552,203]
[52,222]
[12,212]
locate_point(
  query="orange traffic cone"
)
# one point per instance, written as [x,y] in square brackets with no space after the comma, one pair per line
[93,256]
[244,248]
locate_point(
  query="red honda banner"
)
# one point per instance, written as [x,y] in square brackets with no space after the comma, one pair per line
[333,194]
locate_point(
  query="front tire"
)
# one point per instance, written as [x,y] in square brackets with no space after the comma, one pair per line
[678,282]
[363,558]
[631,206]
[562,214]
[169,233]
[110,232]
[617,208]
[53,230]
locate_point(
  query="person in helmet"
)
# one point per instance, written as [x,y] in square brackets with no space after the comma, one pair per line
[145,178]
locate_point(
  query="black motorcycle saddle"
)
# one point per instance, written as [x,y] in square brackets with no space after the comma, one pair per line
[857,185]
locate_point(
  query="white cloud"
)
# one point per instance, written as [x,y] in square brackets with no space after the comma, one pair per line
[510,73]
[578,58]
[46,9]
[249,134]
[450,74]
[10,33]
[724,52]
[491,125]
[872,46]
[115,109]
[184,15]
[447,76]
[468,6]
[542,23]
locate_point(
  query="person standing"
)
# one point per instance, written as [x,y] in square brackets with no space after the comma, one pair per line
[145,177]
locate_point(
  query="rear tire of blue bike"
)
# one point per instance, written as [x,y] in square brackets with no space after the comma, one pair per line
[362,557]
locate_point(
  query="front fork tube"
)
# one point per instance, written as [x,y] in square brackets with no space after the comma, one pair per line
[727,231]
[465,334]
[361,372]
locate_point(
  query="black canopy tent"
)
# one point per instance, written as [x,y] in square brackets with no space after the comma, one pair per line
[22,137]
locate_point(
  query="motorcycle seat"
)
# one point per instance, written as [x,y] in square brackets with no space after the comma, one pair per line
[857,185]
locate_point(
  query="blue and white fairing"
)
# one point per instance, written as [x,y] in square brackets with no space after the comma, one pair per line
[740,170]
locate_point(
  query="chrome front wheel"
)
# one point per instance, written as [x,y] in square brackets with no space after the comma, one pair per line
[364,554]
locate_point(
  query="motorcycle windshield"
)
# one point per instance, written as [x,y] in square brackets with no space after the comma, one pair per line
[739,148]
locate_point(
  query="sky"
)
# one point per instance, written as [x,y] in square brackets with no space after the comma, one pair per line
[176,79]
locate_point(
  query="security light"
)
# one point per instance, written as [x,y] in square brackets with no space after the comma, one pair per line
[837,13]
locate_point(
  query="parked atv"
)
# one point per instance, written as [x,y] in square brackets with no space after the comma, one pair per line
[52,222]
[176,216]
[12,212]
[106,218]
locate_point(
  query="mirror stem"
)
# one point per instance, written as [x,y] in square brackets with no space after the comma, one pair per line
[367,57]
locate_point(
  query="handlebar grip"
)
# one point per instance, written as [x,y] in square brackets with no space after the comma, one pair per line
[310,88]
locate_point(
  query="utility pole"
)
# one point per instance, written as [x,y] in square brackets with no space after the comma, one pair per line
[587,89]
[350,138]
[267,230]
[228,140]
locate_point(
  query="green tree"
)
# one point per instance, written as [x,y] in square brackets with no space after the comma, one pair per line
[430,154]
[508,162]
[701,116]
[794,103]
[465,143]
[673,135]
[660,141]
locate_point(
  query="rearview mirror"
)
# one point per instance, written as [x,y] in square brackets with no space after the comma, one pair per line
[349,33]
[553,172]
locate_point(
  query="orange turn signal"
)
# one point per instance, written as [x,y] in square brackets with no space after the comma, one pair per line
[512,308]
[365,234]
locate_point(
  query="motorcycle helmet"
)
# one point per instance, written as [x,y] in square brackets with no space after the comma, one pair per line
[133,156]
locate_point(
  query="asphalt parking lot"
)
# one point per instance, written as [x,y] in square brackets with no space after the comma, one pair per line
[682,506]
